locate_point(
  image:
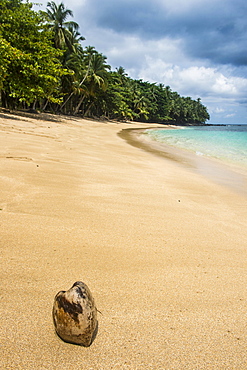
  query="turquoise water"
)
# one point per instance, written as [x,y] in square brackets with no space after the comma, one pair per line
[226,143]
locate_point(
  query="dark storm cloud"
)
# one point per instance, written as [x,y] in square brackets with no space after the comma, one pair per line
[213,29]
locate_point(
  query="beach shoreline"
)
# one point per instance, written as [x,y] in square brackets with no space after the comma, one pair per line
[161,247]
[232,176]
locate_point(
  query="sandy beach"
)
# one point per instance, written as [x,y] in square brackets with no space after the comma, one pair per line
[163,249]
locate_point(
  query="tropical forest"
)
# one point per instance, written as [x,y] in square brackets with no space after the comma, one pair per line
[45,67]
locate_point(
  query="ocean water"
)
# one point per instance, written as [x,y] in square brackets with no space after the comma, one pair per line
[226,143]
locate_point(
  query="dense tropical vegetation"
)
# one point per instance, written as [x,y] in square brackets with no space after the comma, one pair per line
[44,66]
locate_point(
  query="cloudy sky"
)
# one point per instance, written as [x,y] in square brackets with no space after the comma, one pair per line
[197,47]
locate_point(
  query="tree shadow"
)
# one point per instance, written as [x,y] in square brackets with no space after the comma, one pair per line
[7,116]
[15,114]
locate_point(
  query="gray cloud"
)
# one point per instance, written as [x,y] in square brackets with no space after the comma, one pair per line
[210,29]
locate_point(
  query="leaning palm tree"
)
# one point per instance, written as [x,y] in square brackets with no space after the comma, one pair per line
[57,16]
[95,78]
[83,67]
[75,39]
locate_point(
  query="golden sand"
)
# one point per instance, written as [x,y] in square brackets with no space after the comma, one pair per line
[162,248]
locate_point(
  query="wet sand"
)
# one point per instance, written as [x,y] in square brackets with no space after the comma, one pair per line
[232,176]
[162,248]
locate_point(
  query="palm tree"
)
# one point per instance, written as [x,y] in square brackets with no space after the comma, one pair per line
[75,39]
[139,101]
[57,15]
[122,74]
[81,64]
[96,78]
[67,38]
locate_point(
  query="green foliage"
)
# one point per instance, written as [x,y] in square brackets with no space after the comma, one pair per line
[42,60]
[7,55]
[31,66]
[128,99]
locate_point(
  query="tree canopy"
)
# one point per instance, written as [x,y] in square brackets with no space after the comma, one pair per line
[31,66]
[43,65]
